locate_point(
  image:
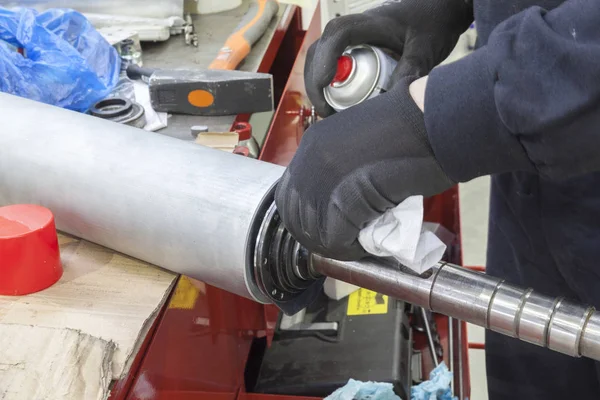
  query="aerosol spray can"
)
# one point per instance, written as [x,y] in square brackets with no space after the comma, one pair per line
[363,72]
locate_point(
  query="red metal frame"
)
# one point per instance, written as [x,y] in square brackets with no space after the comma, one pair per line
[199,351]
[123,386]
[288,126]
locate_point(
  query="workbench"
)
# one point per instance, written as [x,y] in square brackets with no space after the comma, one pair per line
[212,31]
[207,343]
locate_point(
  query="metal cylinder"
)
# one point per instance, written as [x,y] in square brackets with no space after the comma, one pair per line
[566,327]
[459,293]
[588,347]
[533,316]
[385,277]
[363,72]
[178,205]
[504,309]
[558,324]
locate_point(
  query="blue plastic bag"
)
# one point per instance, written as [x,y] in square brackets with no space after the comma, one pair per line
[66,62]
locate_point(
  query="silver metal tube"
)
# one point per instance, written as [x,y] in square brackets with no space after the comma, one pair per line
[460,360]
[474,297]
[394,280]
[429,336]
[590,338]
[566,327]
[451,350]
[178,205]
[503,310]
[534,313]
[463,295]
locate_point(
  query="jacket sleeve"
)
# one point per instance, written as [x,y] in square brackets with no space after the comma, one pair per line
[529,100]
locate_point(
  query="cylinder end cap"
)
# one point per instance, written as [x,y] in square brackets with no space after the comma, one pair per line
[29,251]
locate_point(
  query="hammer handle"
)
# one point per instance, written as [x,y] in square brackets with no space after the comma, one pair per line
[252,27]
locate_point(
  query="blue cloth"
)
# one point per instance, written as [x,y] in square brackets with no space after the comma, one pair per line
[528,100]
[357,390]
[66,62]
[436,388]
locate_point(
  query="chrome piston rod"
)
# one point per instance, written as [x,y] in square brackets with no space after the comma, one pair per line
[556,323]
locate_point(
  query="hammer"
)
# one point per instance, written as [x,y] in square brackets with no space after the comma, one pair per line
[220,90]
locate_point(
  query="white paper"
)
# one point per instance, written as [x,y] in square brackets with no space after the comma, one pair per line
[154,120]
[399,233]
[337,290]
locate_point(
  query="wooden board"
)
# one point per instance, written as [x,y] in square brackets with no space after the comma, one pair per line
[102,294]
[53,364]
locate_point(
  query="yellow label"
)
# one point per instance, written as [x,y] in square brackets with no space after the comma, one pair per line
[185,295]
[366,302]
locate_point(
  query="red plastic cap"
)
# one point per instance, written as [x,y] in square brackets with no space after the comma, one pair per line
[344,69]
[29,252]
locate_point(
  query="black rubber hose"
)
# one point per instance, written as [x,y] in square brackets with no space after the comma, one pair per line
[135,72]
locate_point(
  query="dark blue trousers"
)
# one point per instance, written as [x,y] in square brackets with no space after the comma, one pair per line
[544,235]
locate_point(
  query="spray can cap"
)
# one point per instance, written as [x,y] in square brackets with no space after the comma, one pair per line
[344,69]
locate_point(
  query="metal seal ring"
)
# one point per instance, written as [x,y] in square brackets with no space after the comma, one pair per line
[277,260]
[266,272]
[111,108]
[121,110]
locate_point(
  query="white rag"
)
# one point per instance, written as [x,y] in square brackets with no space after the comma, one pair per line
[154,120]
[399,233]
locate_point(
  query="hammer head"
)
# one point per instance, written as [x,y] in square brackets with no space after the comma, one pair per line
[211,92]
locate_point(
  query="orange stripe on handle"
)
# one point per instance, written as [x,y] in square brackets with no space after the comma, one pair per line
[238,45]
[232,54]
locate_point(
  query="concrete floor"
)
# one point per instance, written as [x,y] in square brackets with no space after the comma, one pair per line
[474,208]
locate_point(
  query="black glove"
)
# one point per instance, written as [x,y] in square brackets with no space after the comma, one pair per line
[424,32]
[353,166]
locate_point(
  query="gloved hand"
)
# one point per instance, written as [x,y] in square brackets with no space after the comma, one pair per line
[353,166]
[424,32]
